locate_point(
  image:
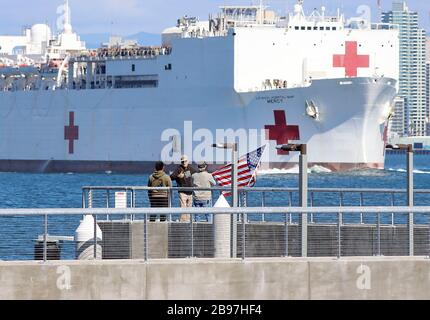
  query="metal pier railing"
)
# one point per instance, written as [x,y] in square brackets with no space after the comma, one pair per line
[137,197]
[142,239]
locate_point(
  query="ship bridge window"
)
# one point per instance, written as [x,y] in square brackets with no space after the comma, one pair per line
[322,28]
[309,28]
[333,28]
[142,81]
[327,28]
[303,28]
[133,68]
[315,28]
[297,28]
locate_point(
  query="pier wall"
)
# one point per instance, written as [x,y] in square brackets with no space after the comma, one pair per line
[209,279]
[125,240]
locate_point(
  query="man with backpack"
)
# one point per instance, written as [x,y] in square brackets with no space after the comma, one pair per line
[159,198]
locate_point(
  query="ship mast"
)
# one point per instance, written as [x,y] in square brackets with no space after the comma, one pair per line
[298,9]
[300,3]
[67,28]
[261,11]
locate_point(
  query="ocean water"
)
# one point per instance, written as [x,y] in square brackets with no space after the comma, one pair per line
[19,190]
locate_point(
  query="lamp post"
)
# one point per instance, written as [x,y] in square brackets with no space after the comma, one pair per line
[303,189]
[410,188]
[235,197]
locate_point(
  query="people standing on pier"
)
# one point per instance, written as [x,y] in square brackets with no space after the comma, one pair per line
[159,198]
[203,179]
[182,175]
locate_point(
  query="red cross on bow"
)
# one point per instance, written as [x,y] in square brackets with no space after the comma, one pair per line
[351,60]
[71,132]
[281,132]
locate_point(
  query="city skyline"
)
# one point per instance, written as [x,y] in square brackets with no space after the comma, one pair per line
[412,77]
[131,16]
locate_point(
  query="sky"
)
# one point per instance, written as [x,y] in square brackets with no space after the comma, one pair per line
[125,17]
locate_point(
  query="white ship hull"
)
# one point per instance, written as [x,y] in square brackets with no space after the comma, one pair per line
[122,130]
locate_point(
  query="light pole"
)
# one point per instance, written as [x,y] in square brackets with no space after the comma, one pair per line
[303,189]
[235,197]
[410,188]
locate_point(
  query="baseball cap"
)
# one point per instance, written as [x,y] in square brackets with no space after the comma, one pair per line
[184,158]
[202,165]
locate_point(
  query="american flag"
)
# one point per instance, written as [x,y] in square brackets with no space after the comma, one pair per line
[247,166]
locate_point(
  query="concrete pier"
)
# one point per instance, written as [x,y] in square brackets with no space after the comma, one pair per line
[212,279]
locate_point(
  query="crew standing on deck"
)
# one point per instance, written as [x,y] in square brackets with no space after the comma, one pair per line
[183,177]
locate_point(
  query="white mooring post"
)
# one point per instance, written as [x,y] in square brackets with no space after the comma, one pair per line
[234,190]
[222,230]
[85,240]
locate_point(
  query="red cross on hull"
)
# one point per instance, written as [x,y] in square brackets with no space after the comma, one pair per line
[281,132]
[351,60]
[71,132]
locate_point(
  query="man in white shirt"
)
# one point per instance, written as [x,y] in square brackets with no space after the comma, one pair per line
[203,179]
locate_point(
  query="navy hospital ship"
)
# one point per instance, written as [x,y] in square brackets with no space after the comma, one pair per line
[322,80]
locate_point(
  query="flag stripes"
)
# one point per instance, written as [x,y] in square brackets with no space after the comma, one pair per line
[247,166]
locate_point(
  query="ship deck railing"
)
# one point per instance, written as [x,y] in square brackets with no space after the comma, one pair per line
[384,26]
[122,54]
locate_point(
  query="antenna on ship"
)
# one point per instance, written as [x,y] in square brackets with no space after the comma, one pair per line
[261,11]
[298,9]
[379,3]
[67,28]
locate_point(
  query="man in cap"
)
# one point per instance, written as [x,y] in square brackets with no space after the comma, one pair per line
[182,175]
[203,179]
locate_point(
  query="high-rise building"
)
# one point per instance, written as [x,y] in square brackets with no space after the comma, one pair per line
[412,81]
[428,95]
[428,82]
[397,122]
[428,49]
